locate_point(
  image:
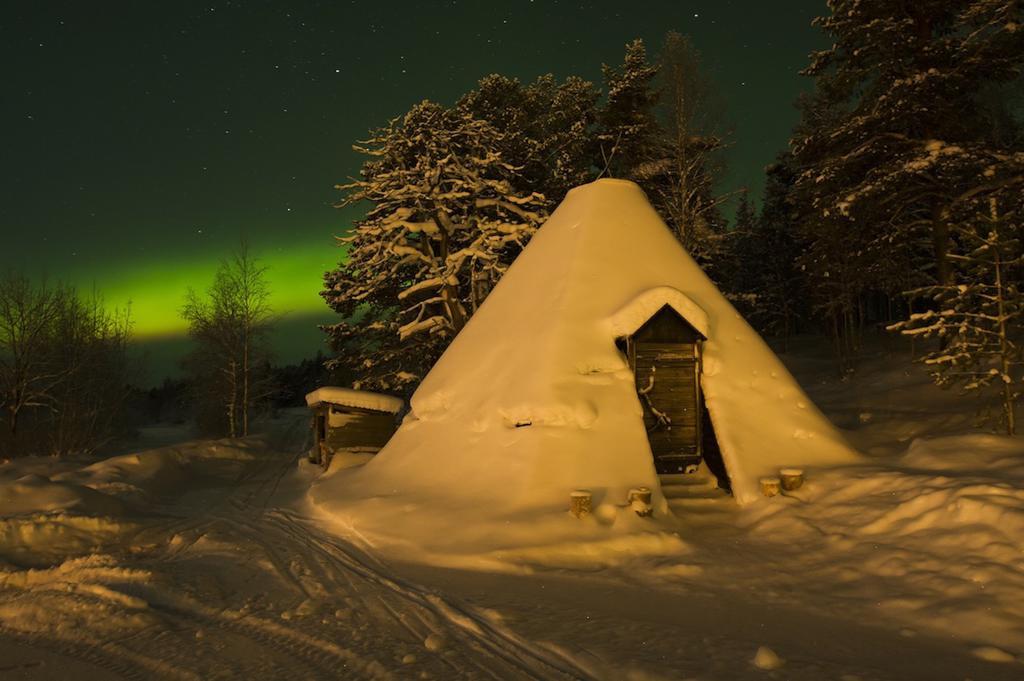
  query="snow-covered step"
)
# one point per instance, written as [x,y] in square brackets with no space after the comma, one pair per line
[693,493]
[674,493]
[682,484]
[709,503]
[686,484]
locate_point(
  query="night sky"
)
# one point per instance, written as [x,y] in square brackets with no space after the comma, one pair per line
[143,140]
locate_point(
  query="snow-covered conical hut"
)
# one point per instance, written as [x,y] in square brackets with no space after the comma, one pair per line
[537,396]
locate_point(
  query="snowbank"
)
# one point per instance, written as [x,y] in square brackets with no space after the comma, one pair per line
[36,493]
[37,602]
[931,541]
[44,519]
[51,509]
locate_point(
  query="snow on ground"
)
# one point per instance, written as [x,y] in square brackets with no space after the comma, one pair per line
[204,560]
[223,578]
[924,538]
[54,508]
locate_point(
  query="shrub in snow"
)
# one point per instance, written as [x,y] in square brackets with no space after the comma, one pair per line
[64,369]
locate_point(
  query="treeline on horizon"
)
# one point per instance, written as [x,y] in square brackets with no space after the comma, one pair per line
[69,379]
[897,204]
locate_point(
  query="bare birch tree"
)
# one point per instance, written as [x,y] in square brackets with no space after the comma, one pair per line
[27,376]
[64,368]
[229,325]
[689,158]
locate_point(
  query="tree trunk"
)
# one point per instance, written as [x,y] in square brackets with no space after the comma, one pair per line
[245,384]
[1005,349]
[940,247]
[449,294]
[233,400]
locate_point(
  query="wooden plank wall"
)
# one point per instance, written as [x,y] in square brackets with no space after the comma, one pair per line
[359,429]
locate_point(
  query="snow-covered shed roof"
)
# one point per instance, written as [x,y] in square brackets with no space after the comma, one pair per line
[346,397]
[533,398]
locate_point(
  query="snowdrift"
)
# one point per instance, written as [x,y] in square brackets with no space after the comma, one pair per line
[51,509]
[930,539]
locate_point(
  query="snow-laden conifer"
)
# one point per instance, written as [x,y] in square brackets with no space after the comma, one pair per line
[444,221]
[978,317]
[901,124]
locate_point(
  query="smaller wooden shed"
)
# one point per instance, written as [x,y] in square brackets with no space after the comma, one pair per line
[354,420]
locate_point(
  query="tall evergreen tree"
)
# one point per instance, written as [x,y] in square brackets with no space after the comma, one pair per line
[681,174]
[896,130]
[444,222]
[660,126]
[743,280]
[980,314]
[628,131]
[783,290]
[546,129]
[767,285]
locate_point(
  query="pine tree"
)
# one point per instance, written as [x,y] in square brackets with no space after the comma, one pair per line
[744,280]
[546,129]
[680,176]
[767,284]
[897,129]
[660,126]
[445,221]
[980,314]
[782,287]
[628,132]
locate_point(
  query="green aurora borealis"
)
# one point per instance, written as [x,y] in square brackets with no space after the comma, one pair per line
[155,290]
[142,141]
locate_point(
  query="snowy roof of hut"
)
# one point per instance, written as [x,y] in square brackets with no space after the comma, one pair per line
[360,399]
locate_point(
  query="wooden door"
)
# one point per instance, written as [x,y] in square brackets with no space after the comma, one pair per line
[666,381]
[664,355]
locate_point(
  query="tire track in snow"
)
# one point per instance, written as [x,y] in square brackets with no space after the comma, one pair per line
[470,625]
[239,497]
[373,600]
[384,616]
[106,655]
[322,658]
